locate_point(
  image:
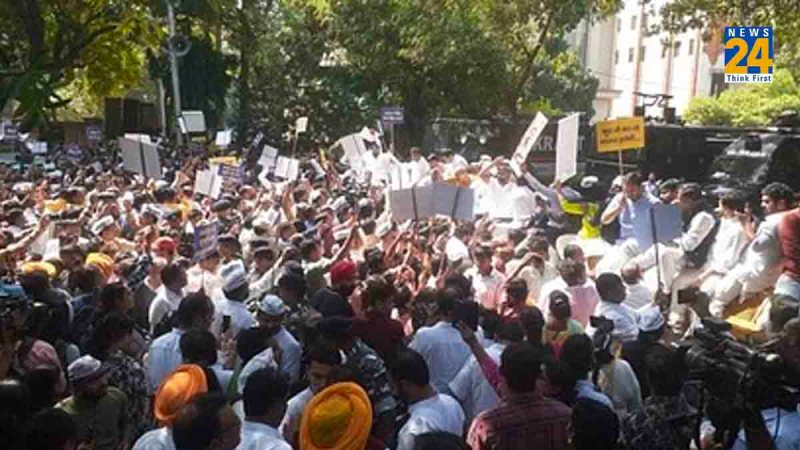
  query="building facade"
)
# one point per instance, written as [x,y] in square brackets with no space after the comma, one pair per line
[628,55]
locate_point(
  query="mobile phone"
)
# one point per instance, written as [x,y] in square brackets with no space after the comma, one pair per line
[226,323]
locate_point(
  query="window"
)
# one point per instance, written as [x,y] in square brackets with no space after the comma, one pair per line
[641,53]
[676,49]
[630,54]
[633,22]
[664,50]
[691,46]
[616,57]
[644,21]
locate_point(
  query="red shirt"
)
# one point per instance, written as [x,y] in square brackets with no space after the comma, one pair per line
[789,237]
[522,422]
[381,333]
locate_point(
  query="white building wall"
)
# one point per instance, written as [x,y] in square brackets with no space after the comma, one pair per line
[627,59]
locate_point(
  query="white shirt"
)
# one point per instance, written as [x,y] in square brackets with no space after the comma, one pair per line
[470,387]
[241,318]
[729,244]
[419,169]
[523,203]
[444,350]
[438,413]
[260,361]
[260,436]
[291,354]
[163,357]
[639,296]
[488,288]
[618,381]
[158,439]
[500,200]
[534,279]
[762,263]
[626,320]
[701,224]
[164,303]
[290,425]
[210,282]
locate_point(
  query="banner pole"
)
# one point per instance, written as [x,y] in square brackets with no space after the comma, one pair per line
[621,167]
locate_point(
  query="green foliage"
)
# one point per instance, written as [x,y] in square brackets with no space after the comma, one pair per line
[47,45]
[748,105]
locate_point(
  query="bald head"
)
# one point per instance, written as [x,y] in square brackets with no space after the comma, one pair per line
[631,273]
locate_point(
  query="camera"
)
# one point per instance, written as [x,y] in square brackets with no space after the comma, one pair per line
[734,372]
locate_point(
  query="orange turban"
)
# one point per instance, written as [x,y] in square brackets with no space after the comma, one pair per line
[338,418]
[39,266]
[101,262]
[177,390]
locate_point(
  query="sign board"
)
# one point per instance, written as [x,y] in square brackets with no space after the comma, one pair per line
[529,138]
[206,238]
[231,176]
[269,157]
[392,115]
[354,149]
[208,183]
[193,122]
[668,226]
[8,132]
[94,133]
[431,200]
[218,160]
[620,134]
[567,147]
[287,168]
[37,147]
[223,138]
[301,125]
[403,176]
[140,157]
[138,137]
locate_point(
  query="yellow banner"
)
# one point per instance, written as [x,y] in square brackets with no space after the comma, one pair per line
[227,160]
[619,135]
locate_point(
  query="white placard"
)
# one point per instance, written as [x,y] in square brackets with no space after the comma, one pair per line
[567,147]
[208,183]
[402,176]
[269,156]
[37,147]
[140,157]
[301,125]
[354,149]
[529,138]
[287,168]
[431,200]
[138,137]
[224,138]
[193,122]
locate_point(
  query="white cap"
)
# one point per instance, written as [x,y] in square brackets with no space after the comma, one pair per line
[650,319]
[101,225]
[233,275]
[272,305]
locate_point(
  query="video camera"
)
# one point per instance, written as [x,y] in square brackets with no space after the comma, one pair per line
[734,372]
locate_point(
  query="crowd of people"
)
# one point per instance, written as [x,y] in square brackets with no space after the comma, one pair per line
[316,321]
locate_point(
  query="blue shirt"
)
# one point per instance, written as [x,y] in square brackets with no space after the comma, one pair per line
[634,220]
[787,426]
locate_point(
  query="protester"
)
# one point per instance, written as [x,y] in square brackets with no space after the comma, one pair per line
[207,422]
[612,295]
[99,409]
[339,417]
[428,411]
[264,405]
[269,316]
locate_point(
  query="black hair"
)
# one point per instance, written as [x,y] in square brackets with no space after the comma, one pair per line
[250,342]
[445,301]
[577,354]
[572,250]
[410,366]
[608,286]
[110,329]
[110,294]
[665,369]
[732,200]
[307,247]
[324,352]
[633,178]
[459,283]
[779,191]
[520,365]
[532,322]
[517,290]
[377,290]
[439,440]
[464,230]
[511,331]
[171,273]
[199,347]
[265,388]
[51,429]
[198,423]
[692,191]
[559,305]
[490,323]
[15,411]
[193,307]
[468,312]
[516,236]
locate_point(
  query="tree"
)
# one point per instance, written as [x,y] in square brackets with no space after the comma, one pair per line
[748,105]
[45,45]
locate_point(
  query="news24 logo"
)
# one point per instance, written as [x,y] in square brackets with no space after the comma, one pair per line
[748,55]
